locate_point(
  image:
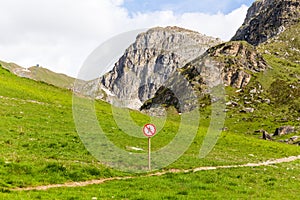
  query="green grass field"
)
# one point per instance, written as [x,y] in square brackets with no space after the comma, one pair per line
[40,146]
[280,181]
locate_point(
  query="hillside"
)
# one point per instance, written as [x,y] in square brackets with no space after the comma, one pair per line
[40,144]
[40,74]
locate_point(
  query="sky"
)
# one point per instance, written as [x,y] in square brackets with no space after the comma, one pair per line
[61,34]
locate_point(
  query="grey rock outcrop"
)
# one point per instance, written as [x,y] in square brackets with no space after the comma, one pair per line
[266,135]
[268,18]
[233,60]
[294,138]
[229,64]
[284,130]
[151,60]
[247,110]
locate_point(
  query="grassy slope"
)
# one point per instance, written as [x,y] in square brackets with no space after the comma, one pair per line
[40,144]
[43,74]
[47,76]
[272,182]
[280,84]
[9,66]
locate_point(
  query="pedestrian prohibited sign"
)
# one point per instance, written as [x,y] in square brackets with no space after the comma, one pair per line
[149,130]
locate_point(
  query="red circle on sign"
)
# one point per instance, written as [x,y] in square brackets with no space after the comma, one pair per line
[149,130]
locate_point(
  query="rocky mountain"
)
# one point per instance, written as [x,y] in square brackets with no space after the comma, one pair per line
[151,60]
[229,64]
[268,18]
[239,63]
[177,67]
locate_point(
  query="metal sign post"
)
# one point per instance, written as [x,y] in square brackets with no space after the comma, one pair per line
[149,153]
[149,131]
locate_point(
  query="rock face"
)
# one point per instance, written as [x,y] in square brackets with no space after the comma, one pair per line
[229,64]
[162,96]
[268,18]
[284,130]
[165,65]
[230,61]
[149,62]
[266,136]
[236,58]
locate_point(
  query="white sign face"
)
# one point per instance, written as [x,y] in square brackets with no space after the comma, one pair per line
[149,130]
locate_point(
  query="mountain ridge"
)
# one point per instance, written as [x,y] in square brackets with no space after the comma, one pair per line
[240,63]
[151,60]
[39,73]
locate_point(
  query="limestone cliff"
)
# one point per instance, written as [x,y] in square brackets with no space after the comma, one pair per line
[151,60]
[234,60]
[227,64]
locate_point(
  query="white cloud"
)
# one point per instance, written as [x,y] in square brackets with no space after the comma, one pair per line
[60,34]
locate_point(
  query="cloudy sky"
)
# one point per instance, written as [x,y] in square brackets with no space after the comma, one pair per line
[60,34]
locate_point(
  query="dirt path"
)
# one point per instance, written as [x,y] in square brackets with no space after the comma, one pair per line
[23,100]
[100,181]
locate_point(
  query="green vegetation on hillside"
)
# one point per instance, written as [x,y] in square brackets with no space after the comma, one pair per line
[277,182]
[40,74]
[38,138]
[40,144]
[47,76]
[282,81]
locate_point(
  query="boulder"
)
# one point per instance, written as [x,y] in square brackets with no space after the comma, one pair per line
[267,101]
[284,130]
[247,110]
[293,140]
[232,103]
[266,136]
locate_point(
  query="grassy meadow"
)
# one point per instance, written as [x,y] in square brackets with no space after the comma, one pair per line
[40,146]
[280,181]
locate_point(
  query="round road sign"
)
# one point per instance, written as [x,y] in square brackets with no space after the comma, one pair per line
[149,130]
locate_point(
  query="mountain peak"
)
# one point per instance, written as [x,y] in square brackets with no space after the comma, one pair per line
[171,29]
[148,63]
[268,18]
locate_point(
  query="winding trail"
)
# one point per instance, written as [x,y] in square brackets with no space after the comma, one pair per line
[101,181]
